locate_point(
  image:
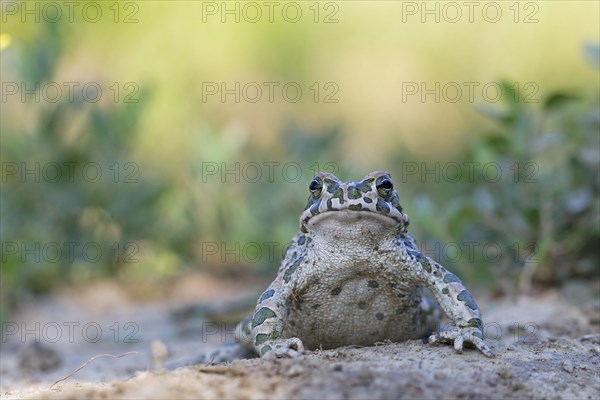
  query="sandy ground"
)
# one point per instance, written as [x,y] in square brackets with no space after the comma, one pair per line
[548,349]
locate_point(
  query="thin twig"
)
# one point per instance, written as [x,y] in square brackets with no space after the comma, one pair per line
[89,361]
[235,371]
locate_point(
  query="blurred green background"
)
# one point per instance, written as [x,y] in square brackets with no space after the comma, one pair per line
[161,139]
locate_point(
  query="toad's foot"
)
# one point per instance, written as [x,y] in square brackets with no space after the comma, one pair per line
[283,348]
[458,336]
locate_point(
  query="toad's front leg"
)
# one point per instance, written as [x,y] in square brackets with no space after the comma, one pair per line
[264,329]
[456,301]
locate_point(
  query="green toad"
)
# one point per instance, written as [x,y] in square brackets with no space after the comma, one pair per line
[354,276]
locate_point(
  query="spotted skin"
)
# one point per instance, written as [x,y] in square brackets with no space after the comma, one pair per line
[354,276]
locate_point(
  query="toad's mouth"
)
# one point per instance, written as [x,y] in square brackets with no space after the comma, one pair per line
[350,217]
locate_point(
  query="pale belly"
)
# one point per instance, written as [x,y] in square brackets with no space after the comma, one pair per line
[358,311]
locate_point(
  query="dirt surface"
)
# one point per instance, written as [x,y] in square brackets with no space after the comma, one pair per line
[548,349]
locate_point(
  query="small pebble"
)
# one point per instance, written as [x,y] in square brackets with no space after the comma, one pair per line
[439,375]
[492,381]
[159,354]
[295,370]
[505,373]
[567,365]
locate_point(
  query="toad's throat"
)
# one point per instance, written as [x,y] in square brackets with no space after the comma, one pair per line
[351,236]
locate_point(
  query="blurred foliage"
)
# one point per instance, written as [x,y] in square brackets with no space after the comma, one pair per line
[151,223]
[87,188]
[534,216]
[77,189]
[555,156]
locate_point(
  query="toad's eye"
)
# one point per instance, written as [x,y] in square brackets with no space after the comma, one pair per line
[316,185]
[384,186]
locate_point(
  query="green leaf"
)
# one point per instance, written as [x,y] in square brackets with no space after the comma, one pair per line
[557,100]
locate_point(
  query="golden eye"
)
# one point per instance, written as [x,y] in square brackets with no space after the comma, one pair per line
[384,186]
[315,187]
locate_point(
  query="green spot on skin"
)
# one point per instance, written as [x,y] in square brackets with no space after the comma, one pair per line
[287,275]
[475,323]
[265,349]
[355,207]
[261,315]
[379,316]
[382,207]
[315,306]
[396,203]
[261,338]
[445,291]
[336,291]
[365,186]
[329,204]
[332,186]
[338,194]
[266,295]
[368,200]
[421,259]
[301,240]
[467,298]
[373,284]
[246,325]
[450,277]
[354,193]
[362,305]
